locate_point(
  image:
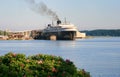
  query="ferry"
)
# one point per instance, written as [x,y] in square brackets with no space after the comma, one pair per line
[61,31]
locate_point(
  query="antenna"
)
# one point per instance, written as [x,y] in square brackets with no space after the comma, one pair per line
[52,23]
[65,21]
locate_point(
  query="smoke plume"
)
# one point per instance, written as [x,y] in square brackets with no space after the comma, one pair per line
[42,9]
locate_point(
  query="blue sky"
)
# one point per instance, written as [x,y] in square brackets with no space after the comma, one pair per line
[85,14]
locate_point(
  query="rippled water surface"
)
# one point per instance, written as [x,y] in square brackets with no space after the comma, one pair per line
[99,56]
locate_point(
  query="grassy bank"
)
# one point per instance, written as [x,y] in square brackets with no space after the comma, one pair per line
[18,65]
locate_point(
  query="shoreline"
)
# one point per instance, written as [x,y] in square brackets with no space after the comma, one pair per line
[87,37]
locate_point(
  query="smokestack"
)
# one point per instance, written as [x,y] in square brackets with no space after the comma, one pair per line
[58,22]
[42,9]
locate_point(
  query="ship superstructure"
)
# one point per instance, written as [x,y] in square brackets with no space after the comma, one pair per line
[62,31]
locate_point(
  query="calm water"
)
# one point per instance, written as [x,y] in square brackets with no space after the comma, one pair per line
[99,56]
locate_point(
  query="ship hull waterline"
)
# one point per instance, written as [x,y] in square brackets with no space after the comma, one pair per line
[62,35]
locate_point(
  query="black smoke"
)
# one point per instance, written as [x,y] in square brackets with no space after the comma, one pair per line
[42,9]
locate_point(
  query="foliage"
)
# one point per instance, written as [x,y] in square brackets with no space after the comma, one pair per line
[3,32]
[18,65]
[103,32]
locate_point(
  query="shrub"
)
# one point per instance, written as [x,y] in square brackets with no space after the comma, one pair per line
[18,65]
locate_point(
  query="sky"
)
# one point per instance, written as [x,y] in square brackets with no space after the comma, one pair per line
[16,15]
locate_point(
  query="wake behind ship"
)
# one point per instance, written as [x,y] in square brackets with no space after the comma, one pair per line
[61,31]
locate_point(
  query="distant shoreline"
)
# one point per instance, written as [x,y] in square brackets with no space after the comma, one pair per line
[103,33]
[4,35]
[87,37]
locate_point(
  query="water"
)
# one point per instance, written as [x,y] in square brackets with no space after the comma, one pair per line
[99,56]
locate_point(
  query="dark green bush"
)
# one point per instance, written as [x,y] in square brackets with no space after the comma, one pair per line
[18,65]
